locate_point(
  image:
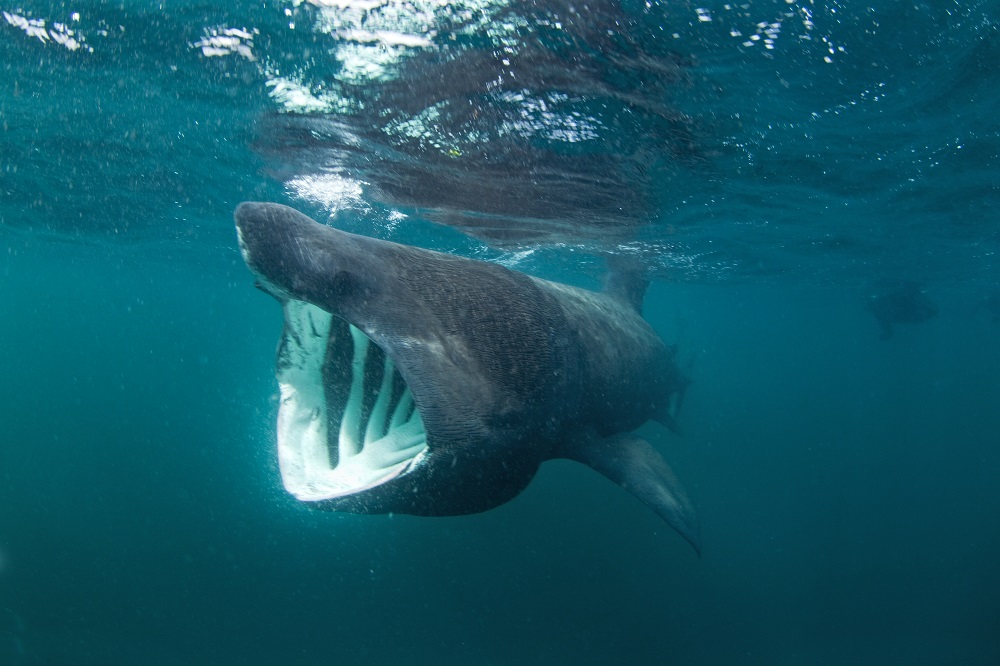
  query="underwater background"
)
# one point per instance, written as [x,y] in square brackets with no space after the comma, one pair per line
[779,167]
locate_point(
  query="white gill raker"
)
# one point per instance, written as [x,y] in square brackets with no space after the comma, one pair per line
[376,420]
[302,451]
[349,443]
[402,409]
[388,457]
[313,441]
[399,445]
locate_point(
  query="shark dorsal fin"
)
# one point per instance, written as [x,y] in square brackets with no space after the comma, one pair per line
[626,280]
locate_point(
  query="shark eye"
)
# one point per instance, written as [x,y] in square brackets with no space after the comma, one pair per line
[347,420]
[348,284]
[343,282]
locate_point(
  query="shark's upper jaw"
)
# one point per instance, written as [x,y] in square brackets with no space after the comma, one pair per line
[347,422]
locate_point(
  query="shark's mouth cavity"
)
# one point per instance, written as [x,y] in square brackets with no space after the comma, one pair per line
[347,421]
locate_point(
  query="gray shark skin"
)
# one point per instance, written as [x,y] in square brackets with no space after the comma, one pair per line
[423,383]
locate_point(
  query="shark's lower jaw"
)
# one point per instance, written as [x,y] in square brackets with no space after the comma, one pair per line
[347,421]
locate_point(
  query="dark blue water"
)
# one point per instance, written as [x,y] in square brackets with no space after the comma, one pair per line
[846,484]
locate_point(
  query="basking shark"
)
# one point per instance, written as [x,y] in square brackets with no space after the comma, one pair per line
[905,302]
[424,383]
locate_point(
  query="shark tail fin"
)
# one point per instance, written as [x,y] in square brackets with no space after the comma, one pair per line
[626,280]
[668,418]
[636,466]
[679,381]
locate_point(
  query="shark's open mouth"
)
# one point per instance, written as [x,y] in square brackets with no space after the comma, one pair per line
[347,421]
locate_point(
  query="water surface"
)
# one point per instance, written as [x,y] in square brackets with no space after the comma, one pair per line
[773,163]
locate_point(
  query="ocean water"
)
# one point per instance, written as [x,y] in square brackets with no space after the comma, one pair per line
[774,164]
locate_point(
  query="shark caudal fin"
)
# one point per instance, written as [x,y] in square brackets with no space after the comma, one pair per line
[636,466]
[678,380]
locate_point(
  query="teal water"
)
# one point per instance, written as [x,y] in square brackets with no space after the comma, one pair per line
[846,484]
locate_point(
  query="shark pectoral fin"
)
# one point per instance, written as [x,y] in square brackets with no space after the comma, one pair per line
[636,466]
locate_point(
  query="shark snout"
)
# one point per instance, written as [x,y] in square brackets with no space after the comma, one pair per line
[268,231]
[294,257]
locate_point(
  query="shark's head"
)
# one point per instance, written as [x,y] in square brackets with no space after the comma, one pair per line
[395,395]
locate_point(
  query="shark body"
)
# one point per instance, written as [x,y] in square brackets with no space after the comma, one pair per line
[418,382]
